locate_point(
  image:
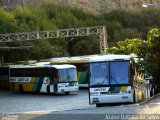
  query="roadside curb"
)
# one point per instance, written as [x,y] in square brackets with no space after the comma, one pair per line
[150,99]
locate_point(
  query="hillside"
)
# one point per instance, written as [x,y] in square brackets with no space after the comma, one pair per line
[96,6]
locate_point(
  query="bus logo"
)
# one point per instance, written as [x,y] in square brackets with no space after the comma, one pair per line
[100,89]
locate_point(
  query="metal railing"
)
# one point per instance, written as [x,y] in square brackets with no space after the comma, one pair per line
[60,33]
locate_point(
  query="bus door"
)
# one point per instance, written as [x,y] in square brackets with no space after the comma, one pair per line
[52,81]
[56,81]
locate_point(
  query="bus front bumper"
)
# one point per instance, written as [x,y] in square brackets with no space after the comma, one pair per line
[113,98]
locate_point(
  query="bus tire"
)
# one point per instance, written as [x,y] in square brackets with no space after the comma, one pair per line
[98,105]
[48,89]
[67,93]
[20,88]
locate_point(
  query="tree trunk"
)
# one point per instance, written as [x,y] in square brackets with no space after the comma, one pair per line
[156,83]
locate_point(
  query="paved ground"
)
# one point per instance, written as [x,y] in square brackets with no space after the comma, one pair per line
[73,107]
[12,102]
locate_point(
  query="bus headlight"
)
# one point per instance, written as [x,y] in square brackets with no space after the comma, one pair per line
[95,100]
[62,90]
[129,92]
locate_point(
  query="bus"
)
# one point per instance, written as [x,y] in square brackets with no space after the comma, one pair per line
[4,77]
[46,79]
[115,79]
[82,64]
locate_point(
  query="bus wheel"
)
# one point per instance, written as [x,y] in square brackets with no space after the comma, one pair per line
[67,93]
[20,88]
[98,105]
[48,89]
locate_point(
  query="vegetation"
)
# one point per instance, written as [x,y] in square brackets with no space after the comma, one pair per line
[121,24]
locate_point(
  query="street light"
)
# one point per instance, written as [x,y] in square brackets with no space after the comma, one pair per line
[64,49]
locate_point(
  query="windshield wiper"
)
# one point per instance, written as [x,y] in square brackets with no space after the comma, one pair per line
[114,80]
[105,78]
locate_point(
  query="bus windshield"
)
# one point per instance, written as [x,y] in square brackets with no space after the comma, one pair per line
[67,75]
[99,74]
[119,72]
[105,73]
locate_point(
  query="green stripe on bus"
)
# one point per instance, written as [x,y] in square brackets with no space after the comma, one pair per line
[37,84]
[111,89]
[82,78]
[41,79]
[117,89]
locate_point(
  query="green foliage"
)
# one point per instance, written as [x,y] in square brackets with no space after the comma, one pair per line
[128,46]
[66,20]
[42,49]
[121,24]
[7,22]
[83,44]
[25,19]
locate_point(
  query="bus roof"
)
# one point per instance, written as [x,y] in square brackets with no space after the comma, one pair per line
[110,57]
[64,66]
[76,59]
[89,58]
[40,63]
[25,66]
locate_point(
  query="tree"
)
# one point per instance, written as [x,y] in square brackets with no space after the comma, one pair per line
[148,49]
[152,57]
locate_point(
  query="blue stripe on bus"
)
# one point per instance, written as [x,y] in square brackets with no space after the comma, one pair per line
[117,89]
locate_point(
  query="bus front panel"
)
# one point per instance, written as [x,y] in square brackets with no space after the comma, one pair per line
[118,94]
[67,80]
[110,83]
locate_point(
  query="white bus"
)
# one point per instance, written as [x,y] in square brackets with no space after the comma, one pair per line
[49,79]
[114,79]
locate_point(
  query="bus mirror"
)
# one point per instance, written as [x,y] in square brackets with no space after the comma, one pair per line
[132,70]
